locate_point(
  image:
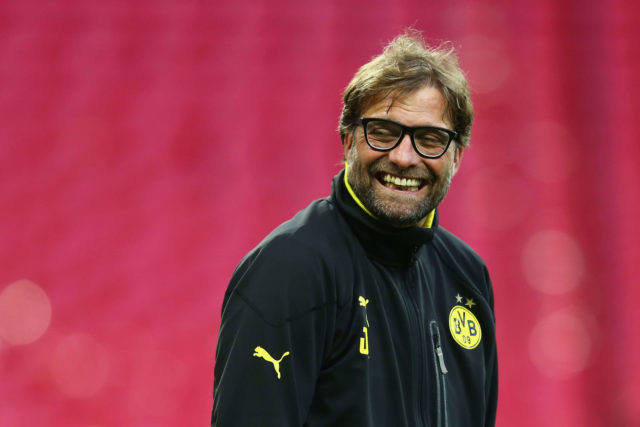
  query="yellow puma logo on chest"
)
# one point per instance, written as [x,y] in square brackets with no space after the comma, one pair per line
[261,352]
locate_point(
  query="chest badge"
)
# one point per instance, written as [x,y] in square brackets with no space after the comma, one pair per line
[463,324]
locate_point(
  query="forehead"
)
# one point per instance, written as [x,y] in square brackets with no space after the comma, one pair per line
[426,105]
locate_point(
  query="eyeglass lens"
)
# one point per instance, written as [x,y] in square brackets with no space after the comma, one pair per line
[384,135]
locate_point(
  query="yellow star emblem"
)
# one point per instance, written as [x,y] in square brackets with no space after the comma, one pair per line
[470,303]
[458,299]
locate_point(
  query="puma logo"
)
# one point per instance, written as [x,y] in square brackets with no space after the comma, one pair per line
[363,302]
[261,352]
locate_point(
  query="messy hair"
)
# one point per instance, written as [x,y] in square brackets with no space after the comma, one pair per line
[405,65]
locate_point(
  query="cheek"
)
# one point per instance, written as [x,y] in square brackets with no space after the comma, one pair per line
[441,166]
[352,154]
[359,152]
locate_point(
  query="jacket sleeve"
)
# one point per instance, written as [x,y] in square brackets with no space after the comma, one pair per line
[492,363]
[276,324]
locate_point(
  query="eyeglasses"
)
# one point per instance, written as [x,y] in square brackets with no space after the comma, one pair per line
[428,141]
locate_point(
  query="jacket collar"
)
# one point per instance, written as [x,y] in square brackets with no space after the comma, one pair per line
[382,242]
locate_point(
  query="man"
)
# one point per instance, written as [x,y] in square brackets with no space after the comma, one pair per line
[361,310]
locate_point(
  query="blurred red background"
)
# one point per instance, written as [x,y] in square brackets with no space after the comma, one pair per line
[146,146]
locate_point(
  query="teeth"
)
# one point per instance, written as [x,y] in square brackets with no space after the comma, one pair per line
[401,182]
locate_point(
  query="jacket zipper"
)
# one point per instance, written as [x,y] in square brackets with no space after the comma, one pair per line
[418,334]
[440,372]
[418,364]
[422,365]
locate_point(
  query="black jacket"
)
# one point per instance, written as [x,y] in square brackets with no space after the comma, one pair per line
[336,319]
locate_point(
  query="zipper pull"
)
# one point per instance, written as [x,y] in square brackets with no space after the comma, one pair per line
[438,347]
[443,368]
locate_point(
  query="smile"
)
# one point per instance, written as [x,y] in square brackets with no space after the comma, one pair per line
[400,183]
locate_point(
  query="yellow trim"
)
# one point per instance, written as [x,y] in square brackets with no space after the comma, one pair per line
[353,194]
[428,222]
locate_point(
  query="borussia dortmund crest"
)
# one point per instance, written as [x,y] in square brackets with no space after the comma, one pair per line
[464,326]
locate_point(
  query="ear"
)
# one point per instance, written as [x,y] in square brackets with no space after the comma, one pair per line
[347,142]
[457,160]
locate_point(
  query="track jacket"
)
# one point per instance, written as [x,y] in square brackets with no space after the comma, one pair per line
[336,319]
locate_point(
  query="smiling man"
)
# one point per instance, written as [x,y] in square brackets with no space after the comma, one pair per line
[402,173]
[361,310]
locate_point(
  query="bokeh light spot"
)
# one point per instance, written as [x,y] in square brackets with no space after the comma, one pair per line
[79,365]
[552,262]
[560,344]
[25,312]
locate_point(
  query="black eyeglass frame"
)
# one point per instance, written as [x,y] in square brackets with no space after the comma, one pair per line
[406,130]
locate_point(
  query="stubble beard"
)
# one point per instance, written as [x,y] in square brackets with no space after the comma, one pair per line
[396,216]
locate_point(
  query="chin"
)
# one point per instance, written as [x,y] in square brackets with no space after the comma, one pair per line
[400,216]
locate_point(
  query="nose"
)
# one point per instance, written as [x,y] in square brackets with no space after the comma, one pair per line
[404,155]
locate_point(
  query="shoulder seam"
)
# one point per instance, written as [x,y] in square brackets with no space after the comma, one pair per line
[286,320]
